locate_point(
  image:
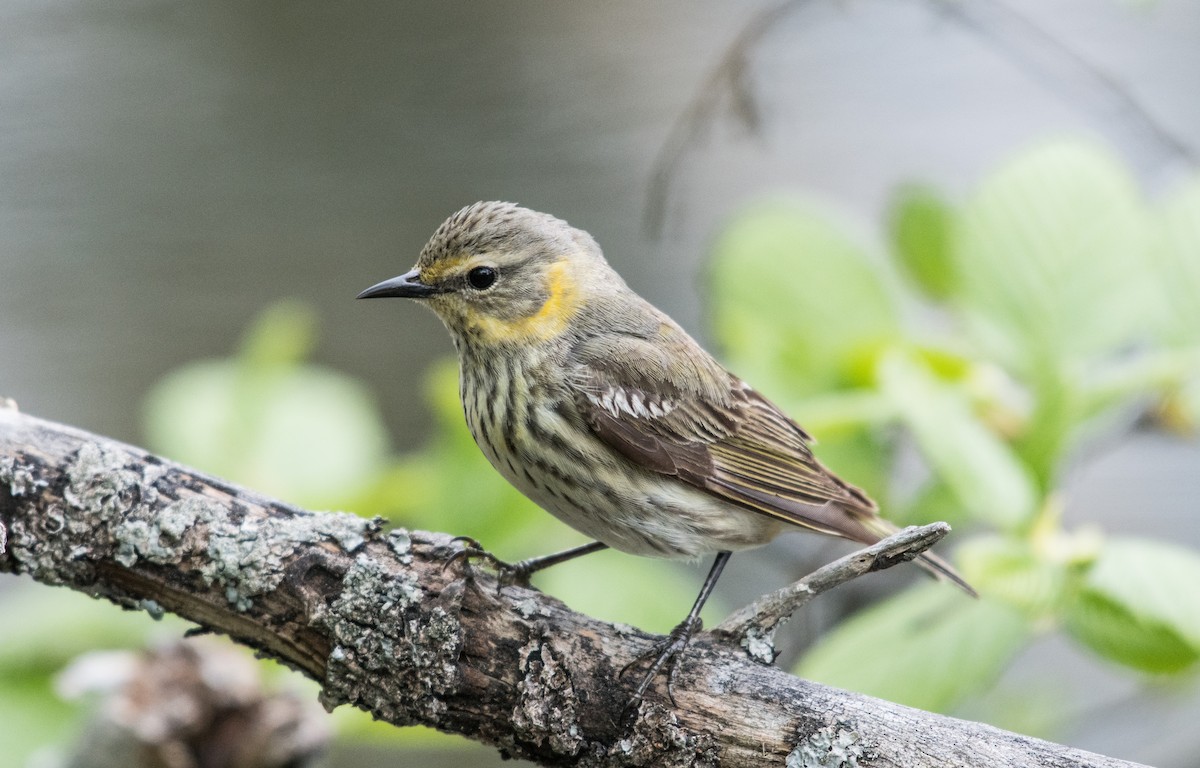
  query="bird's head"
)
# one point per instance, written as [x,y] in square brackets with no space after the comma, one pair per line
[499,274]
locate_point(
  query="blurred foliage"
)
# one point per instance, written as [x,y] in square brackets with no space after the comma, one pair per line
[1055,299]
[995,336]
[950,648]
[268,420]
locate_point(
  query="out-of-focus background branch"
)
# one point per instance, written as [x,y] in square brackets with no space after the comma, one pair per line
[959,242]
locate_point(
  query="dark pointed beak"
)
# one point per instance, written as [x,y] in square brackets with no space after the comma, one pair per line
[406,286]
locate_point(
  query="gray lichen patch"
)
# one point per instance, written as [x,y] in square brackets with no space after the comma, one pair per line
[401,543]
[528,607]
[57,544]
[248,560]
[152,607]
[396,646]
[759,645]
[546,712]
[157,538]
[658,739]
[837,745]
[20,480]
[99,484]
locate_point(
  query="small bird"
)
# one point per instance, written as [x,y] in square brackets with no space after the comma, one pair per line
[608,415]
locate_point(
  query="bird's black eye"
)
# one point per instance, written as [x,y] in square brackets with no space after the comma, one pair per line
[481,278]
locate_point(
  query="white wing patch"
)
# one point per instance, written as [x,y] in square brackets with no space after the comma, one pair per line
[636,403]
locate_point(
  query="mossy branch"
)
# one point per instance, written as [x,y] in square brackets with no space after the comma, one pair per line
[378,619]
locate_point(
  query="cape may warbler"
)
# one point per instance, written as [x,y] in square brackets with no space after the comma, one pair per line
[603,411]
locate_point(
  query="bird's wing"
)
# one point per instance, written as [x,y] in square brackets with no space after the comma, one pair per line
[667,406]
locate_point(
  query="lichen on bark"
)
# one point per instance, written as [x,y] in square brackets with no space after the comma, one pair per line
[395,646]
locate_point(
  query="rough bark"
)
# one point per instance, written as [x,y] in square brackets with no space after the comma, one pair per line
[382,623]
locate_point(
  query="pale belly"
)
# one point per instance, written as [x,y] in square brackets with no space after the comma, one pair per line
[569,473]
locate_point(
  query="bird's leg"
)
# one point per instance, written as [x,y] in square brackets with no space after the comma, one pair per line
[519,573]
[666,651]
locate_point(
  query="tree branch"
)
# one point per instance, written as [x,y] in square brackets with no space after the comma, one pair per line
[753,625]
[382,624]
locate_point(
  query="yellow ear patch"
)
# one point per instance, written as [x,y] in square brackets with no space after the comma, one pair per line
[547,322]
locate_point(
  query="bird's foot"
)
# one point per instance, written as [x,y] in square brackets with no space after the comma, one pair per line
[506,573]
[665,656]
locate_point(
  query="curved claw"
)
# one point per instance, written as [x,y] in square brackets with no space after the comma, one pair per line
[665,653]
[472,549]
[506,574]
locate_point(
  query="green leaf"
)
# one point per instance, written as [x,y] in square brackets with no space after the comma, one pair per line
[1050,253]
[283,334]
[33,720]
[921,224]
[933,502]
[1138,606]
[1111,630]
[1176,255]
[929,647]
[795,300]
[981,470]
[1058,409]
[1011,571]
[841,413]
[300,432]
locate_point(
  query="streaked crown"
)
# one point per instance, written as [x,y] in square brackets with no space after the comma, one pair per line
[492,228]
